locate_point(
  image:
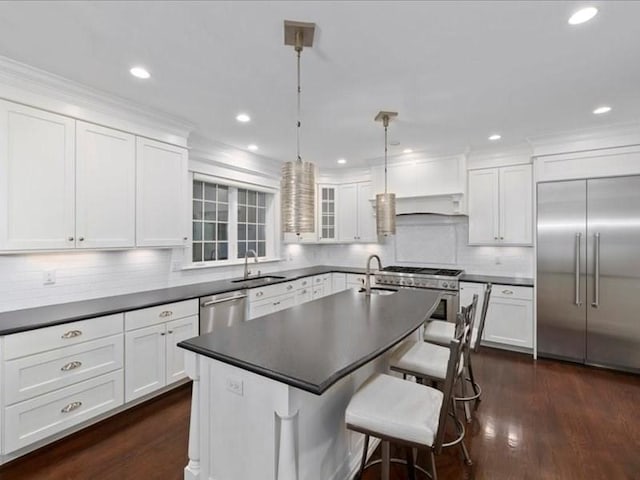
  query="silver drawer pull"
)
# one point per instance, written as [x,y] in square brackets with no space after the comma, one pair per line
[289,287]
[507,292]
[259,294]
[166,313]
[71,407]
[71,366]
[276,303]
[303,292]
[72,334]
[304,283]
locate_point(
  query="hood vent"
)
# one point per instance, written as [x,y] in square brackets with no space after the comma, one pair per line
[450,204]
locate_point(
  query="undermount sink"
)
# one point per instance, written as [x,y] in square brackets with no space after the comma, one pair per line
[261,279]
[380,291]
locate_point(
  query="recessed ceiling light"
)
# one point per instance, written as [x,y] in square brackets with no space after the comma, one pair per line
[407,150]
[243,118]
[583,15]
[342,161]
[252,147]
[601,110]
[140,72]
[495,137]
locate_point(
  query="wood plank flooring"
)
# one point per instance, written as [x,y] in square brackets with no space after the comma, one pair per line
[537,420]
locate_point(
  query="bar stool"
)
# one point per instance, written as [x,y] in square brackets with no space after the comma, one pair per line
[408,413]
[440,333]
[428,362]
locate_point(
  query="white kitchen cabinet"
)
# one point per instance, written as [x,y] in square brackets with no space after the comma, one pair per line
[272,304]
[500,206]
[162,194]
[356,222]
[37,171]
[509,321]
[327,213]
[467,291]
[105,187]
[303,295]
[152,359]
[338,282]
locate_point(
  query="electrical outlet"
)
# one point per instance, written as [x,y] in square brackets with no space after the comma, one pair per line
[235,386]
[49,277]
[176,266]
[498,261]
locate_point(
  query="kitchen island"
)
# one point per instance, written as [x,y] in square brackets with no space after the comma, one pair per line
[269,395]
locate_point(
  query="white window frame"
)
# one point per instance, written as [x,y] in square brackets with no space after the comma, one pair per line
[271,219]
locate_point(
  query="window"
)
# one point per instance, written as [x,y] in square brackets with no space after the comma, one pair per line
[228,221]
[252,218]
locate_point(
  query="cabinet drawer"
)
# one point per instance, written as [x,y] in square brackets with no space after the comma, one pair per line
[270,291]
[305,282]
[44,372]
[321,279]
[49,338]
[507,291]
[32,420]
[159,314]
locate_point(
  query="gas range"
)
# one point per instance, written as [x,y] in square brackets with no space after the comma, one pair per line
[418,277]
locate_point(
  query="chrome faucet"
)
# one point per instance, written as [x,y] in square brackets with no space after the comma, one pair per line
[367,280]
[246,262]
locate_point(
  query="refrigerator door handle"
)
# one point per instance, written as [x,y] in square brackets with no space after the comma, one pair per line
[596,283]
[577,269]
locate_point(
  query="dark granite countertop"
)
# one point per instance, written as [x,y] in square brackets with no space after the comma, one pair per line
[513,281]
[313,345]
[38,317]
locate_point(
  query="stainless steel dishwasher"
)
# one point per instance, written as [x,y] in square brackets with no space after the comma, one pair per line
[222,310]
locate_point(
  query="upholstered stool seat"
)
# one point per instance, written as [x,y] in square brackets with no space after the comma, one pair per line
[422,359]
[441,332]
[390,407]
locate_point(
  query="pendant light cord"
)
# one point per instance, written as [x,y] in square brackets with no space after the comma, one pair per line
[298,124]
[385,159]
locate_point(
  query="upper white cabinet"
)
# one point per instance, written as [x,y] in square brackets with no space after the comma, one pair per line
[105,187]
[37,171]
[161,194]
[356,222]
[327,213]
[500,206]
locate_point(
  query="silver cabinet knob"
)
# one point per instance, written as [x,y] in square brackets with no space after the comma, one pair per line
[185,238]
[81,239]
[70,239]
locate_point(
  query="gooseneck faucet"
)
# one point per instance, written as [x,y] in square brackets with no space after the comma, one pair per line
[246,262]
[367,280]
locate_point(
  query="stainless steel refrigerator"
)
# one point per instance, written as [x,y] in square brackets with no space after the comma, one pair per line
[588,282]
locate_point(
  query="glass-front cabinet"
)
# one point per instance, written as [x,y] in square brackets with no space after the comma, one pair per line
[327,225]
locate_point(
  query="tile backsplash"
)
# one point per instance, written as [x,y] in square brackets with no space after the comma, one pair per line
[429,240]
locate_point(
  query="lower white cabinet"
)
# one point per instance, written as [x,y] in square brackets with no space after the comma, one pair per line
[32,420]
[510,317]
[272,304]
[338,282]
[152,358]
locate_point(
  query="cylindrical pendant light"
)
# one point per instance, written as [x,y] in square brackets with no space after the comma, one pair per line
[297,186]
[385,202]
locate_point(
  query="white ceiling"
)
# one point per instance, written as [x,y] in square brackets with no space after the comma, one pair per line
[455,71]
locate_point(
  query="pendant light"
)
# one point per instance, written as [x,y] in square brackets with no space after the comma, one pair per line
[297,186]
[385,202]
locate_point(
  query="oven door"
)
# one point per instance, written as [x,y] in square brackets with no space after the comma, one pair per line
[447,308]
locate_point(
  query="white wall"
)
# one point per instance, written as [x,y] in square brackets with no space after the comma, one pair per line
[434,240]
[85,275]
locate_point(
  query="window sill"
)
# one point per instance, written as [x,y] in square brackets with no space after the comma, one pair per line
[229,263]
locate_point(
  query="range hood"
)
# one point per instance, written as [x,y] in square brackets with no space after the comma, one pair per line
[448,204]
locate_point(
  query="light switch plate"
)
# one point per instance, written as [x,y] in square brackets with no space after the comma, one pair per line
[49,277]
[235,386]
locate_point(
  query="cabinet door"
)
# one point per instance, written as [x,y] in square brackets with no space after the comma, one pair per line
[327,226]
[317,292]
[37,175]
[105,187]
[177,331]
[259,309]
[516,205]
[161,194]
[145,361]
[509,322]
[284,301]
[348,213]
[338,282]
[366,220]
[303,295]
[484,206]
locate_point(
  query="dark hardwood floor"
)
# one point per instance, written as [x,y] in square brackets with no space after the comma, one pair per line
[537,420]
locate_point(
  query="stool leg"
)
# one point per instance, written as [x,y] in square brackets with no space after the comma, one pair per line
[476,389]
[460,428]
[411,467]
[463,386]
[434,473]
[364,456]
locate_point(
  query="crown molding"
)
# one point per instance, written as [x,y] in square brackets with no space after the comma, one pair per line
[31,86]
[608,136]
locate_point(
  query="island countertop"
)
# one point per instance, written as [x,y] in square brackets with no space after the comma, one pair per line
[313,345]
